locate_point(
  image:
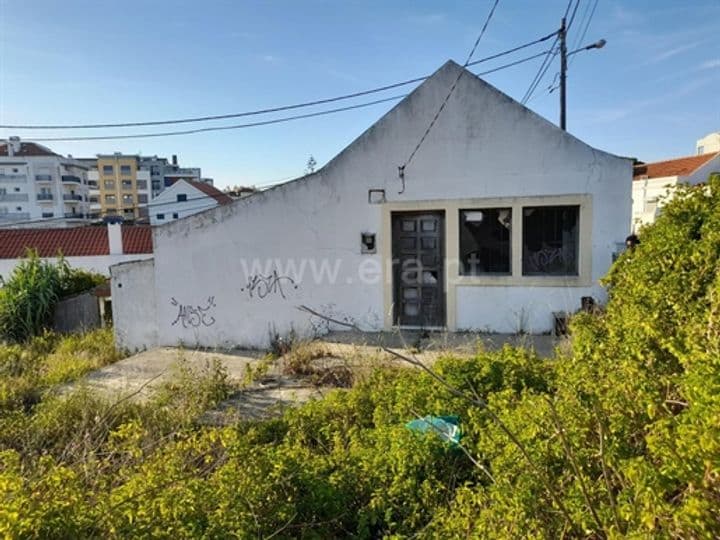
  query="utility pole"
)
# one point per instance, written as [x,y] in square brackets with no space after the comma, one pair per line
[563,73]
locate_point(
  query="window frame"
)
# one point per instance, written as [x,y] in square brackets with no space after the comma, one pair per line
[527,272]
[461,264]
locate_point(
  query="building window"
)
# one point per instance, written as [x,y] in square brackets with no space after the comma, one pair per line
[182,197]
[108,169]
[701,150]
[18,208]
[125,170]
[550,240]
[110,184]
[110,199]
[127,199]
[142,184]
[175,215]
[142,198]
[127,184]
[160,216]
[485,236]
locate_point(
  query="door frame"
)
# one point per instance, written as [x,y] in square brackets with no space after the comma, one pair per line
[442,285]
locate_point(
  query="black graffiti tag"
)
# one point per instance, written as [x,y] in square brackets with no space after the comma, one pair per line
[194,316]
[263,286]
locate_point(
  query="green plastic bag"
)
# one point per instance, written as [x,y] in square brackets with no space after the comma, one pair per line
[445,427]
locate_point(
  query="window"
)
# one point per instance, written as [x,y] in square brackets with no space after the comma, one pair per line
[142,184]
[175,215]
[125,170]
[17,190]
[701,150]
[110,199]
[485,236]
[127,184]
[182,197]
[127,199]
[18,208]
[110,184]
[48,214]
[550,240]
[160,216]
[142,198]
[108,169]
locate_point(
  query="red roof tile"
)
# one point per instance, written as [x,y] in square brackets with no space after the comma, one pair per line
[137,239]
[27,149]
[212,191]
[671,167]
[72,242]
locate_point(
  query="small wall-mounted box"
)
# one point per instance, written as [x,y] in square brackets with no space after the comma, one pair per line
[367,243]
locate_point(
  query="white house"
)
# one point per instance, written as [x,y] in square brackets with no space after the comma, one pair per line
[184,198]
[654,182]
[476,234]
[92,248]
[709,144]
[38,185]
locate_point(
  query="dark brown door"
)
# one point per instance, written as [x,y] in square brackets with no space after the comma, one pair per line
[419,268]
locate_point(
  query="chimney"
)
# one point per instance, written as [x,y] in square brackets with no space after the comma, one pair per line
[115,244]
[174,159]
[13,145]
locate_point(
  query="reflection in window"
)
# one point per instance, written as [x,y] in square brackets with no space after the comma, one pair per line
[485,241]
[550,240]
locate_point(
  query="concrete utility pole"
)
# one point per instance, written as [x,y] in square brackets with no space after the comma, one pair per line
[564,54]
[562,34]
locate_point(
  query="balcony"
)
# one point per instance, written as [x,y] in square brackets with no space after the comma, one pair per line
[71,178]
[15,216]
[71,197]
[43,177]
[92,184]
[44,196]
[13,178]
[13,197]
[74,215]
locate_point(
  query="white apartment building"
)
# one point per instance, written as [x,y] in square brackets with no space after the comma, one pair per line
[40,186]
[709,144]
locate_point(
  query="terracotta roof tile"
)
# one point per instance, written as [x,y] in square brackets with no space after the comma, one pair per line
[671,167]
[137,239]
[212,191]
[27,149]
[72,242]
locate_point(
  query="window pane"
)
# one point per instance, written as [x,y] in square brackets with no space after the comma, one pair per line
[550,240]
[485,241]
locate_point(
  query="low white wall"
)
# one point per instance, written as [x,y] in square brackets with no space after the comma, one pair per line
[133,304]
[100,264]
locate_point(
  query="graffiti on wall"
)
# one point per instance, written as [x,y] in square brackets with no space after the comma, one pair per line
[194,316]
[262,286]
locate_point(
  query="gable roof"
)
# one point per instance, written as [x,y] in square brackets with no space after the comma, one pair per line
[72,241]
[212,191]
[27,149]
[671,167]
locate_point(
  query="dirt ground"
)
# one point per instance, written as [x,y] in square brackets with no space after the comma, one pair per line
[139,375]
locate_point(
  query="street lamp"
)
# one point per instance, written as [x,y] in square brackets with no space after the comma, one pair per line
[562,34]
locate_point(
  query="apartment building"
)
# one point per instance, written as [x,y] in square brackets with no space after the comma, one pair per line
[39,186]
[124,188]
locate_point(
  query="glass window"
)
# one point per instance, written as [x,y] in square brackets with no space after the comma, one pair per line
[125,170]
[142,198]
[127,199]
[175,215]
[109,184]
[485,236]
[550,240]
[160,216]
[108,169]
[127,184]
[182,197]
[110,199]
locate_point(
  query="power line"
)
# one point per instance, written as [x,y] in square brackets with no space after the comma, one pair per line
[273,109]
[266,122]
[401,168]
[585,29]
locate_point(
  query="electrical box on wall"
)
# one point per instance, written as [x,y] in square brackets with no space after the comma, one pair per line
[367,243]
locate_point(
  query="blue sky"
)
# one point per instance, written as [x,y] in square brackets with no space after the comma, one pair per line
[650,93]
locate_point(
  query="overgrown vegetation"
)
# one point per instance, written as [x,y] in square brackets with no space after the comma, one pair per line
[618,438]
[28,297]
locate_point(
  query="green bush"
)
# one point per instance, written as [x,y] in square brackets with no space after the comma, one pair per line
[28,297]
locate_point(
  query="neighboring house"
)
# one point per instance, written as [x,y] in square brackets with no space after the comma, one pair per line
[38,185]
[92,248]
[654,182]
[185,198]
[709,144]
[500,221]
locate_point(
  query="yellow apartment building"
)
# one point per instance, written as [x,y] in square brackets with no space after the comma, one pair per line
[124,188]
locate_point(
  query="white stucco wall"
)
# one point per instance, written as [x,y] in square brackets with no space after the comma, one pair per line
[100,264]
[166,203]
[133,297]
[206,261]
